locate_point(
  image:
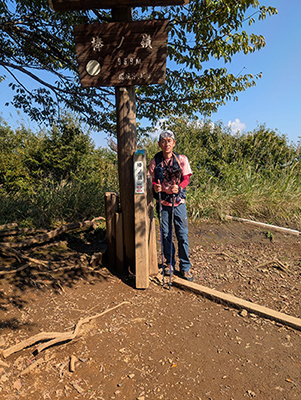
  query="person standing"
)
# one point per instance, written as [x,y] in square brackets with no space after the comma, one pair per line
[170,176]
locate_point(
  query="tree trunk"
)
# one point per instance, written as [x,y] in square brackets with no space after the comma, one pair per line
[126,147]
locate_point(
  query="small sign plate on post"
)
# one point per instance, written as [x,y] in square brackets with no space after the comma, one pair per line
[69,5]
[139,176]
[122,53]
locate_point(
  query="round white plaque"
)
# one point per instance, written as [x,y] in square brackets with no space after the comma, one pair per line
[93,67]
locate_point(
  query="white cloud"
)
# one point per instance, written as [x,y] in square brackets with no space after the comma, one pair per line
[200,123]
[236,126]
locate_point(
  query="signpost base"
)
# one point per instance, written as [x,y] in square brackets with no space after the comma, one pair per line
[145,236]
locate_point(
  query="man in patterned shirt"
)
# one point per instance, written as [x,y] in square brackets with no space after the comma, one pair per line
[170,174]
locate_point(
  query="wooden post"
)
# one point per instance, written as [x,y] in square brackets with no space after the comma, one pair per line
[119,243]
[152,72]
[141,232]
[151,229]
[111,207]
[126,147]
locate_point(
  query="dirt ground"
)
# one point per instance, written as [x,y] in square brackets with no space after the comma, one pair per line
[158,343]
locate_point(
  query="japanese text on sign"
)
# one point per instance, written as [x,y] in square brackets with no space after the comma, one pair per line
[123,53]
[139,177]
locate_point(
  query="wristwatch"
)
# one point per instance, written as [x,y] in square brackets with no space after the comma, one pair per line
[180,189]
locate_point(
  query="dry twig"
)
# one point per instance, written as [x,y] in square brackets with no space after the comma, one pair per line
[55,337]
[273,263]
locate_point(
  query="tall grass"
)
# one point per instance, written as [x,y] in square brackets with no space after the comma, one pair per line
[252,196]
[255,175]
[51,203]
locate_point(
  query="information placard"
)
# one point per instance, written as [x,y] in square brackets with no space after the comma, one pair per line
[139,177]
[122,53]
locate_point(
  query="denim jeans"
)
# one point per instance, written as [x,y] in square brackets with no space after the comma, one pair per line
[181,231]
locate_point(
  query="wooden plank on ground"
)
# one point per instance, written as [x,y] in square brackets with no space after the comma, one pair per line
[221,297]
[263,225]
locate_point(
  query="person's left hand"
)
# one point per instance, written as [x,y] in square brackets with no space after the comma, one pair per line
[174,188]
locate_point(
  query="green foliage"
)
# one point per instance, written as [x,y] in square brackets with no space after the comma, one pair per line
[35,39]
[269,235]
[13,173]
[53,176]
[58,176]
[267,150]
[59,152]
[27,157]
[253,175]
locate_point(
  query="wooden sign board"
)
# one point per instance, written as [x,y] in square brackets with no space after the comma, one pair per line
[69,5]
[122,53]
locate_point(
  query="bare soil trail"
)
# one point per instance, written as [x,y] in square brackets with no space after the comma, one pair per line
[155,343]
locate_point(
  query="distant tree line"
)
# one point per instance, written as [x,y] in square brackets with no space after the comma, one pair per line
[58,175]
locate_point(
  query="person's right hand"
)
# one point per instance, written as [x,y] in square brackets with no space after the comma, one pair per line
[158,187]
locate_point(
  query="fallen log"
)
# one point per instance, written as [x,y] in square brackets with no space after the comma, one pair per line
[9,252]
[21,231]
[29,342]
[52,234]
[14,271]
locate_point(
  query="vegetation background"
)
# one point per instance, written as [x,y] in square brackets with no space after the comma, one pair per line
[57,176]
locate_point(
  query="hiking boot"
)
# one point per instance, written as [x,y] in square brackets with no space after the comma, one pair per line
[187,275]
[168,270]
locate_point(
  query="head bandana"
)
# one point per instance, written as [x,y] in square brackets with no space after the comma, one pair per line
[166,134]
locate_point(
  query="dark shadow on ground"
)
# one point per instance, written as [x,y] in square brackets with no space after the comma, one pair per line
[55,265]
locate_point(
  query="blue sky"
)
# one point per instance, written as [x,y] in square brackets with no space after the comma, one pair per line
[274,101]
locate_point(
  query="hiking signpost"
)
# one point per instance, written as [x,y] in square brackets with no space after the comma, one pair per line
[121,53]
[125,53]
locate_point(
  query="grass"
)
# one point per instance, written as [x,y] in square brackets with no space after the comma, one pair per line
[51,204]
[273,198]
[255,176]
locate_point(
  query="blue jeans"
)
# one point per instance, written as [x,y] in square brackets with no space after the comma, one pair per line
[181,231]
